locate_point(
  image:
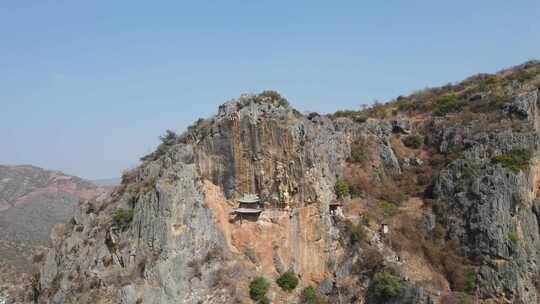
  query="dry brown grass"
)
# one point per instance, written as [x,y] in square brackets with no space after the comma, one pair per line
[359,181]
[371,262]
[442,256]
[410,239]
[399,148]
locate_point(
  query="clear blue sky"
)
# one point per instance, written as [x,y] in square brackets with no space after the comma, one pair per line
[88,86]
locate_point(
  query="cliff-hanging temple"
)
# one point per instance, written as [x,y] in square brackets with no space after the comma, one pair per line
[249,204]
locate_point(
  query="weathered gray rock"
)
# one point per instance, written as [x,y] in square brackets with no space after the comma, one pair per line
[489,208]
[158,258]
[524,107]
[402,125]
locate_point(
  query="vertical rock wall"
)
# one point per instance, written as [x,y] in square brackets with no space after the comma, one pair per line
[493,210]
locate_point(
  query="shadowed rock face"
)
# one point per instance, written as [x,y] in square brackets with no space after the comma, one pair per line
[184,245]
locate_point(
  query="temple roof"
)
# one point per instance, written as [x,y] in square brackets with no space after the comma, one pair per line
[247,210]
[249,199]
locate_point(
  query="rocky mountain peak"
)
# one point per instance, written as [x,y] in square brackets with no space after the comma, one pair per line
[429,198]
[267,102]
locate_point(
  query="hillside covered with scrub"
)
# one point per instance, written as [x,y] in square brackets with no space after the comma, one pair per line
[429,198]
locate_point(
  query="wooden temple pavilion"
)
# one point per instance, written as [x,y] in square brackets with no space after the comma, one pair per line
[249,204]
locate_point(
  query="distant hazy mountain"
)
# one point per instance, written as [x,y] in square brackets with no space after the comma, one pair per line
[107,182]
[32,200]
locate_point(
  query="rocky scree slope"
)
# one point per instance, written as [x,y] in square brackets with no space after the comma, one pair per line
[452,171]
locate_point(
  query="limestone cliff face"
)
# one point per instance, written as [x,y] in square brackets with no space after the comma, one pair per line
[180,236]
[156,259]
[252,146]
[183,230]
[452,171]
[493,210]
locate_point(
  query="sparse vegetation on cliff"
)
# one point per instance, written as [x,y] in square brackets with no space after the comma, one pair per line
[258,289]
[457,298]
[448,104]
[310,296]
[481,93]
[137,188]
[470,284]
[388,209]
[344,113]
[342,188]
[513,237]
[170,137]
[385,286]
[357,233]
[356,116]
[515,160]
[167,141]
[526,74]
[358,156]
[274,97]
[413,141]
[287,281]
[123,217]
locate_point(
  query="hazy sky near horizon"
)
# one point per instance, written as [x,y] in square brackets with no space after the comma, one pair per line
[87,87]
